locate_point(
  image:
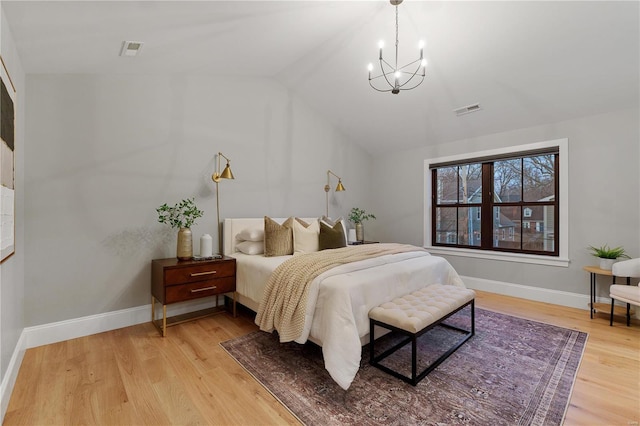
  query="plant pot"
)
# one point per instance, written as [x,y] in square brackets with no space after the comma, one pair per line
[185,244]
[359,232]
[606,264]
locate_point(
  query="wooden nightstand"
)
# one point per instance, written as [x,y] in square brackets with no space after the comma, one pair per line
[174,280]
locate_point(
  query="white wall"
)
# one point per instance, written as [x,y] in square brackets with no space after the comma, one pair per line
[604,207]
[12,269]
[105,151]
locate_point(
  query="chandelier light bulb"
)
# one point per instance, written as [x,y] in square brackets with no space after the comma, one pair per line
[397,74]
[421,44]
[381,44]
[370,67]
[423,63]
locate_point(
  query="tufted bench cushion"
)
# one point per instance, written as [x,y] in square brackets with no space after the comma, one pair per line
[413,315]
[423,307]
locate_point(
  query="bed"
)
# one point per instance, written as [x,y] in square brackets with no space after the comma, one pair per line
[339,299]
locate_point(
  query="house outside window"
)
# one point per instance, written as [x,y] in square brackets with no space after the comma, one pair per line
[507,188]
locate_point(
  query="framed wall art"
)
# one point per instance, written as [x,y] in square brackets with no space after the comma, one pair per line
[7,164]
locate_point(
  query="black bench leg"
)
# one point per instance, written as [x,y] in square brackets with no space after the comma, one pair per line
[371,340]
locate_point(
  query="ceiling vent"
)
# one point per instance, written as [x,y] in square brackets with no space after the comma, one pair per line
[131,48]
[467,109]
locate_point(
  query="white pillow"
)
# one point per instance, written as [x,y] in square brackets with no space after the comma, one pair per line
[250,247]
[305,239]
[328,221]
[251,234]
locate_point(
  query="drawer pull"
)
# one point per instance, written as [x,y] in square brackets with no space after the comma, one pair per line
[198,274]
[213,287]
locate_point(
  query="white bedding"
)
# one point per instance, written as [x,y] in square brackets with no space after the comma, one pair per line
[339,300]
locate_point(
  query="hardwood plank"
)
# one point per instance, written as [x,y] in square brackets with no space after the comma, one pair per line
[135,376]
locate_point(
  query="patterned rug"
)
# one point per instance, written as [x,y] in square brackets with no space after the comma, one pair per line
[512,372]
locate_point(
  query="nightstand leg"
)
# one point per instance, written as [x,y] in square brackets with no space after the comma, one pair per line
[153,309]
[164,320]
[234,304]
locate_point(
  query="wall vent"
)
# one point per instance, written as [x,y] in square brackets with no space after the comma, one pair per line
[131,48]
[467,109]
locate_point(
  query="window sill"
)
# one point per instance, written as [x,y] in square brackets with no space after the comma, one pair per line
[500,256]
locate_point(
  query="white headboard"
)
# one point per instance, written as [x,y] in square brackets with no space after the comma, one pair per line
[233,226]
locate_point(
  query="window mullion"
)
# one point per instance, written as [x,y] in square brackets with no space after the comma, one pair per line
[486,211]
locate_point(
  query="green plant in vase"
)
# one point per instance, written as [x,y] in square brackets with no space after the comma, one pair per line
[607,255]
[181,216]
[357,216]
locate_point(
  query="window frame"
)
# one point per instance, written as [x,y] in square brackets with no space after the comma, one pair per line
[562,259]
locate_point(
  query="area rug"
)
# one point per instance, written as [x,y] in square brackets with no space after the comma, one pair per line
[512,372]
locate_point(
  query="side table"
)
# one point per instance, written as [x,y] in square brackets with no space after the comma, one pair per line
[594,271]
[174,280]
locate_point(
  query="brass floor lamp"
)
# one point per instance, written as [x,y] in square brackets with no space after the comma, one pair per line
[327,187]
[216,176]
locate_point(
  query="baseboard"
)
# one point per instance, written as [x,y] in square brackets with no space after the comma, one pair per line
[557,297]
[78,327]
[11,375]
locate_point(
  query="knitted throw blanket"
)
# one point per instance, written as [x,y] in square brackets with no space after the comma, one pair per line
[284,301]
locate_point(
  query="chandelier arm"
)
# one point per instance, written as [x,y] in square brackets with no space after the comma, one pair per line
[387,64]
[412,87]
[385,73]
[411,78]
[379,90]
[378,76]
[419,61]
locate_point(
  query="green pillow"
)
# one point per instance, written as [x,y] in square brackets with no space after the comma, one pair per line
[331,236]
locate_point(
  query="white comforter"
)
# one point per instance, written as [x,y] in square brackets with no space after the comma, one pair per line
[339,301]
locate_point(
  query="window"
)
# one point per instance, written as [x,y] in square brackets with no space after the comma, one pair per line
[516,191]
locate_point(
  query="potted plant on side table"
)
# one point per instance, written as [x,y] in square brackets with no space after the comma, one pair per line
[357,216]
[608,255]
[181,216]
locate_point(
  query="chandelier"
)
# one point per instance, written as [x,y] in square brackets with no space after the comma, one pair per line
[398,78]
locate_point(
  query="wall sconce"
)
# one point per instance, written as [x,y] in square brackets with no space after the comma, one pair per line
[327,187]
[216,177]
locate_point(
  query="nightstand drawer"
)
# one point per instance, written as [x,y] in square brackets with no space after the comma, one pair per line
[195,273]
[179,293]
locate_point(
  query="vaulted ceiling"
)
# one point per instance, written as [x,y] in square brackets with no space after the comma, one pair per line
[526,63]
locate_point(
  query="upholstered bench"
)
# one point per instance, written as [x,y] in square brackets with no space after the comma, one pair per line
[413,315]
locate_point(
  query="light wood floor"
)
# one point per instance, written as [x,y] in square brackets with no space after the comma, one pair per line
[132,376]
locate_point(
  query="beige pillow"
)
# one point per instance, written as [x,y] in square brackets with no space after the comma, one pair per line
[305,236]
[278,239]
[331,236]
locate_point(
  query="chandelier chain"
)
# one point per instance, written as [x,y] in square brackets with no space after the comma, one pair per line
[396,67]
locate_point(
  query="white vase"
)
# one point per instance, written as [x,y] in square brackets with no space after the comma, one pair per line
[606,264]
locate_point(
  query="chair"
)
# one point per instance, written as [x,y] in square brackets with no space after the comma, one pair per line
[625,293]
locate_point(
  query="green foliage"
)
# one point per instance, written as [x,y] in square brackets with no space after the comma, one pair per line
[181,215]
[357,215]
[606,252]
